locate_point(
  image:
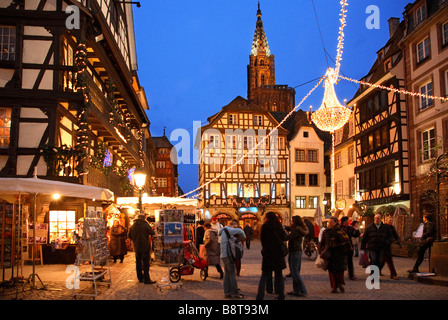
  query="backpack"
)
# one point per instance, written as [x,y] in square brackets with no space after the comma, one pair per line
[235,247]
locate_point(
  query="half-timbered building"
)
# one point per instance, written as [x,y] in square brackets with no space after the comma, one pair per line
[380,124]
[71,106]
[243,186]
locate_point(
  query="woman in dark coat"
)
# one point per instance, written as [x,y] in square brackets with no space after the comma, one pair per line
[336,242]
[272,236]
[117,244]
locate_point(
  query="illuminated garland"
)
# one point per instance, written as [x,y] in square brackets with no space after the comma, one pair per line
[82,110]
[341,37]
[414,94]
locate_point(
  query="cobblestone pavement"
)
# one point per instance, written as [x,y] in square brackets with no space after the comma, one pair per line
[125,286]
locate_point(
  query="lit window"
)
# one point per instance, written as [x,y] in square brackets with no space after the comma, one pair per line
[62,225]
[160,164]
[215,189]
[231,189]
[249,190]
[5,127]
[300,202]
[265,189]
[313,202]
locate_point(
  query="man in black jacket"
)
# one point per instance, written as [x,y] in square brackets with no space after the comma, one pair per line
[428,237]
[139,233]
[375,240]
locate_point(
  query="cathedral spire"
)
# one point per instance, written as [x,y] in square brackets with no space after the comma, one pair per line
[260,42]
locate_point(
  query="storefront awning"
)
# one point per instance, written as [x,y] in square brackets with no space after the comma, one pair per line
[157,201]
[65,189]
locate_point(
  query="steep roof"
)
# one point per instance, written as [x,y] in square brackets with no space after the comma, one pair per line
[260,42]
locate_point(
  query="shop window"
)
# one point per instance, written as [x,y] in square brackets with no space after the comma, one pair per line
[62,225]
[5,127]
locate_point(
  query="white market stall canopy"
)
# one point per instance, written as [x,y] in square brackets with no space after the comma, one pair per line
[40,186]
[158,201]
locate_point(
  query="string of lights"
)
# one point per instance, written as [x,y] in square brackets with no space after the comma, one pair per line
[378,86]
[340,47]
[259,143]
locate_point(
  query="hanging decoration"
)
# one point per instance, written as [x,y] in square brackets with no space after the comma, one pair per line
[332,115]
[82,110]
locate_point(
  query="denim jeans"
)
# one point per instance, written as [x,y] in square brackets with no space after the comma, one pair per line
[278,283]
[295,265]
[230,285]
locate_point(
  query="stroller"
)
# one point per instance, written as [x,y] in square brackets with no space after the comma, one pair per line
[191,261]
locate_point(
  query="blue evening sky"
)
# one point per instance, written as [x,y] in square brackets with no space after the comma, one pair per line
[193,55]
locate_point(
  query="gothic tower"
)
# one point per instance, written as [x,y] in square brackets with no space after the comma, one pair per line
[261,70]
[261,88]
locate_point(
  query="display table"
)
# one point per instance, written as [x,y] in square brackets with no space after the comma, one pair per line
[59,256]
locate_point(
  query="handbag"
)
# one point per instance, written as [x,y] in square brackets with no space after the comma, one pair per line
[321,263]
[364,260]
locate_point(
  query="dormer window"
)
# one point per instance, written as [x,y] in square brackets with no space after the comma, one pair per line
[420,14]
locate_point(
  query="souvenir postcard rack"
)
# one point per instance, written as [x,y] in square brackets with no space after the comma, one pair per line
[92,248]
[13,240]
[168,242]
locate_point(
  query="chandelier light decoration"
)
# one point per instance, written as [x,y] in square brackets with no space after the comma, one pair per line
[331,116]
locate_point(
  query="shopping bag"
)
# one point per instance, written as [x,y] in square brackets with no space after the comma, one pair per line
[364,259]
[321,263]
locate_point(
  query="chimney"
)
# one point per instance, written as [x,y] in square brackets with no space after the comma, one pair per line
[393,25]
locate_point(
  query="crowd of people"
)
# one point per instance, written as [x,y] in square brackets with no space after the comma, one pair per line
[338,243]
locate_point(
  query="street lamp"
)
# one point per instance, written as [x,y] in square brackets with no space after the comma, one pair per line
[140,180]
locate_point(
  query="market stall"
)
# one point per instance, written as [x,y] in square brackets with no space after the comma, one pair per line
[152,206]
[29,223]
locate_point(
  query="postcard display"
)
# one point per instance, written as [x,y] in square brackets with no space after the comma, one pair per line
[92,248]
[13,239]
[168,243]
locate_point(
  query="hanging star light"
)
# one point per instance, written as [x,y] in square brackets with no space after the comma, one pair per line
[331,115]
